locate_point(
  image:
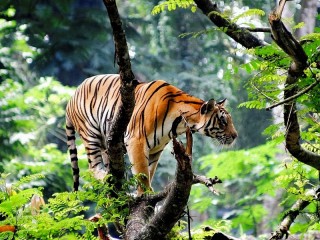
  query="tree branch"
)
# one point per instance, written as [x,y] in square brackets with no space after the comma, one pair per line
[115,145]
[240,35]
[307,89]
[209,182]
[139,226]
[283,229]
[258,29]
[291,46]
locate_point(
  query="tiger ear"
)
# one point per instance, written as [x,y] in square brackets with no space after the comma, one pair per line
[207,106]
[222,102]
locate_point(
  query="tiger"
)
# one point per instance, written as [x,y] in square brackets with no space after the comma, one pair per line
[161,112]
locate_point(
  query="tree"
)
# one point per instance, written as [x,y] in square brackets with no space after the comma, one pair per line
[290,46]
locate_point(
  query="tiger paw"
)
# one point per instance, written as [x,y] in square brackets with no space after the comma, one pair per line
[99,171]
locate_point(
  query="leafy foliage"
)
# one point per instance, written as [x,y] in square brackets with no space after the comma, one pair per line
[52,39]
[64,214]
[248,13]
[267,86]
[259,175]
[173,4]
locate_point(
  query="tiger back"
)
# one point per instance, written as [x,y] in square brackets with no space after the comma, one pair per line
[161,112]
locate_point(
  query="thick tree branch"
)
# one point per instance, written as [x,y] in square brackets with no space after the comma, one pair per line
[291,46]
[283,229]
[115,145]
[139,226]
[240,35]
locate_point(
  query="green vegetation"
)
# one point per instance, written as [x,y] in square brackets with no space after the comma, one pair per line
[47,47]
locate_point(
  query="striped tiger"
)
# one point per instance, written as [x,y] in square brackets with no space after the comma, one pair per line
[161,112]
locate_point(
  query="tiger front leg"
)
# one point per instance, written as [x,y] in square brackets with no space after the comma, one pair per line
[138,155]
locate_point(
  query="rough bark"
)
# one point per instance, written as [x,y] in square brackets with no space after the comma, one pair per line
[142,224]
[115,144]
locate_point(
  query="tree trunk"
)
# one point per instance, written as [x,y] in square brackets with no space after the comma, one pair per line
[307,15]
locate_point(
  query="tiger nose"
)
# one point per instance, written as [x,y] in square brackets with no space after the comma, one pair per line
[234,135]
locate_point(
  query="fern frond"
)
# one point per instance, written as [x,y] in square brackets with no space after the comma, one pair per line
[27,179]
[315,148]
[311,36]
[253,104]
[249,13]
[299,25]
[172,5]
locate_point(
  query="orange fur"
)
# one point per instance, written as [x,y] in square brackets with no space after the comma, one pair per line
[161,111]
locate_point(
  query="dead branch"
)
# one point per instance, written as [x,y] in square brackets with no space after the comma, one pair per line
[209,182]
[283,229]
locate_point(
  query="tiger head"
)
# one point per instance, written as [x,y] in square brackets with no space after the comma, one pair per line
[216,122]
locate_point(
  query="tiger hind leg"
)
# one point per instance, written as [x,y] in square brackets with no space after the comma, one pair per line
[98,162]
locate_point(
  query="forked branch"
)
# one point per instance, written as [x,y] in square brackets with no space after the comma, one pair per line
[291,46]
[142,224]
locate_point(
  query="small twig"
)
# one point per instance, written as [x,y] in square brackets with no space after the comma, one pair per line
[307,89]
[258,29]
[280,8]
[209,182]
[189,223]
[262,93]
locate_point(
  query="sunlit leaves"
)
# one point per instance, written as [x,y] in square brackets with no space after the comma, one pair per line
[253,104]
[249,13]
[171,5]
[62,216]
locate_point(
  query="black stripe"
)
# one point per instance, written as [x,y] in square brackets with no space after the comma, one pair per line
[75,171]
[76,185]
[175,126]
[69,128]
[155,129]
[73,151]
[69,138]
[74,159]
[93,153]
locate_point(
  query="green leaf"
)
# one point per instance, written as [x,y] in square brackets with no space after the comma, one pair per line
[253,104]
[249,13]
[299,25]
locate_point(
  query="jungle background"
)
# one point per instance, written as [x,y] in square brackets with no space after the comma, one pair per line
[49,47]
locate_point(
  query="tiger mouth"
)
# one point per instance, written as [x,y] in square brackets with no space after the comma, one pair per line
[227,141]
